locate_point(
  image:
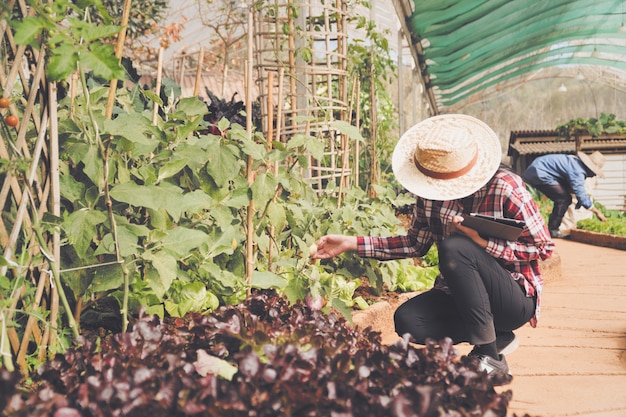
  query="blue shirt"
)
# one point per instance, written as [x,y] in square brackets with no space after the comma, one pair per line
[567,170]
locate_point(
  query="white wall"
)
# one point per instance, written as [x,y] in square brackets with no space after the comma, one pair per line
[611,190]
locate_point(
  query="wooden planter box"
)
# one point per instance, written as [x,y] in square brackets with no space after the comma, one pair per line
[598,239]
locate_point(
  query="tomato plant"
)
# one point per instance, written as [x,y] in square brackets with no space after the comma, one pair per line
[4,102]
[12,120]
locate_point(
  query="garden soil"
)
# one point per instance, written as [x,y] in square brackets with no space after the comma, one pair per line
[574,362]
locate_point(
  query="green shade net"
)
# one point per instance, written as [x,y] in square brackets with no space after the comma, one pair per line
[466,46]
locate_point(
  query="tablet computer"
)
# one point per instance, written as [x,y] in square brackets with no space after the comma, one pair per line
[491,226]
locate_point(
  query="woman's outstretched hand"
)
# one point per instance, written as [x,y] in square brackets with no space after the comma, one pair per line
[332,245]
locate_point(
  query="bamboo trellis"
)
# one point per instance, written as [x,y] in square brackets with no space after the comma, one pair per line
[26,194]
[314,88]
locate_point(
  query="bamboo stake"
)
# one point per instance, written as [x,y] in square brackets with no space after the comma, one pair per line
[182,70]
[373,127]
[224,78]
[73,80]
[250,264]
[50,335]
[157,88]
[270,108]
[357,120]
[270,133]
[345,145]
[30,324]
[119,49]
[279,106]
[196,87]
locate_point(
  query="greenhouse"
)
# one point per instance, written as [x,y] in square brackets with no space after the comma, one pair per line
[244,208]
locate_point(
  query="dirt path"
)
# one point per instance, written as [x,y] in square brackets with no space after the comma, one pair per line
[574,362]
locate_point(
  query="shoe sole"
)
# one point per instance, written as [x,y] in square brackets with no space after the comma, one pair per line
[511,347]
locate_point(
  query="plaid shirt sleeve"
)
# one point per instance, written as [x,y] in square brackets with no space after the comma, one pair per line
[416,243]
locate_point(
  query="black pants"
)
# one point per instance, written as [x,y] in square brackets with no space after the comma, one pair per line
[562,198]
[484,299]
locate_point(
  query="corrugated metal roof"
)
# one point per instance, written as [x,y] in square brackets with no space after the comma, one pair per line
[541,148]
[543,142]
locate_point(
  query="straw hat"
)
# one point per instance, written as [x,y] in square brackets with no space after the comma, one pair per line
[446,157]
[594,162]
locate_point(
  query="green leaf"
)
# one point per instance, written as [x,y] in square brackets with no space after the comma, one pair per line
[61,62]
[223,125]
[102,61]
[27,30]
[266,280]
[90,32]
[347,129]
[181,240]
[192,106]
[196,201]
[277,216]
[107,278]
[190,297]
[71,189]
[153,96]
[80,228]
[164,196]
[89,155]
[263,188]
[132,127]
[160,272]
[340,306]
[220,241]
[171,168]
[208,364]
[255,150]
[223,165]
[191,125]
[316,148]
[196,158]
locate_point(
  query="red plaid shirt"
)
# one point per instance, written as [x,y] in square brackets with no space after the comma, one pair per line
[505,195]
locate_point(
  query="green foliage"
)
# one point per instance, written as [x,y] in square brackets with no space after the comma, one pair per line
[179,202]
[615,222]
[606,124]
[71,38]
[160,209]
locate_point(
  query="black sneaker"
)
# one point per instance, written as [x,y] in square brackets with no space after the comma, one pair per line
[506,343]
[497,369]
[557,234]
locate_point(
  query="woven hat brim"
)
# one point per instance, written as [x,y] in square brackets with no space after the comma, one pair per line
[590,164]
[407,174]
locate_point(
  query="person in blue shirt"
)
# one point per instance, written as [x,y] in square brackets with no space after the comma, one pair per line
[558,176]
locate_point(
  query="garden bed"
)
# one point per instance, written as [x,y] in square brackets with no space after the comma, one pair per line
[598,239]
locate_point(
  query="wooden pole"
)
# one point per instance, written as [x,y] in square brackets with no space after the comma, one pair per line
[157,88]
[373,127]
[250,264]
[119,49]
[196,87]
[279,105]
[50,334]
[357,121]
[270,132]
